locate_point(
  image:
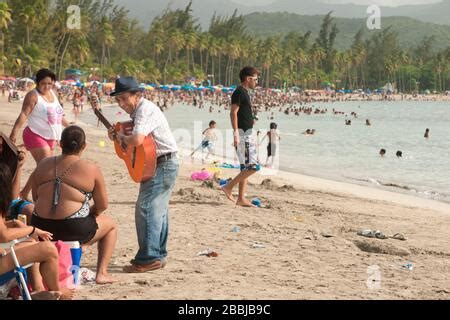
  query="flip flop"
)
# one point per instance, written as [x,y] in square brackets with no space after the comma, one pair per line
[380,235]
[366,233]
[399,236]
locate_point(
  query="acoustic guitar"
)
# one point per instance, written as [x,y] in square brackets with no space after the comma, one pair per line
[141,160]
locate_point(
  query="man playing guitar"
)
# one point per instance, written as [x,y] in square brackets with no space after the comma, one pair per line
[152,207]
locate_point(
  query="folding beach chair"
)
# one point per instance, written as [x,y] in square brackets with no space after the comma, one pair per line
[19,273]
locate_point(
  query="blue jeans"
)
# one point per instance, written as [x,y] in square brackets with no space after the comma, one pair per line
[152,213]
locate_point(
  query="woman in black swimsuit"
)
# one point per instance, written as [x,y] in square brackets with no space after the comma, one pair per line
[62,190]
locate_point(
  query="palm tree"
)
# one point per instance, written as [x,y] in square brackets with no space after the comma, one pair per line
[214,48]
[28,17]
[302,59]
[317,54]
[202,45]
[190,43]
[5,20]
[107,40]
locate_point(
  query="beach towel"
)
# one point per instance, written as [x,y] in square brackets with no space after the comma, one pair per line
[201,175]
[229,166]
[65,266]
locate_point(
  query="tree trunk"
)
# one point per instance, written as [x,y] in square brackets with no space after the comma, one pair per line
[3,53]
[102,60]
[28,35]
[213,71]
[59,48]
[220,79]
[187,59]
[63,54]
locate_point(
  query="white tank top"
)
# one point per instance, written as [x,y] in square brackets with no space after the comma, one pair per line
[46,118]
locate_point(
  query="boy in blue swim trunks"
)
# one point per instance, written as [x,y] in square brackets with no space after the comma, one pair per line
[208,141]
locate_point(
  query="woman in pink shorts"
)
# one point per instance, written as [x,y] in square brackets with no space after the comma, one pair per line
[44,116]
[34,141]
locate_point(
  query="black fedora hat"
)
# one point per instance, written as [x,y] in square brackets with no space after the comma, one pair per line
[126,84]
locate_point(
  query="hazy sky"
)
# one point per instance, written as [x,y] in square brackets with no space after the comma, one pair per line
[365,2]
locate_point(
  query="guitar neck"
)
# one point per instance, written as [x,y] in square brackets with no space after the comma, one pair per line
[102,119]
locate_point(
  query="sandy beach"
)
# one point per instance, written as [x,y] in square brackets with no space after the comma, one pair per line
[304,247]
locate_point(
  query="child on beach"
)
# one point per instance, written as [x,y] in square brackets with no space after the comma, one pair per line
[208,141]
[274,139]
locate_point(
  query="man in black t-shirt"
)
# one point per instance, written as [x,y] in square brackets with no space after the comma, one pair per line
[242,121]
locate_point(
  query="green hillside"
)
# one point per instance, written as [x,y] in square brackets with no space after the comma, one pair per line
[410,31]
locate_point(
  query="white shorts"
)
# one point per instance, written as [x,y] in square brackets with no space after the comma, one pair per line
[247,153]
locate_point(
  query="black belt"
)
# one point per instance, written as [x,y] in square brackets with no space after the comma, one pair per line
[165,157]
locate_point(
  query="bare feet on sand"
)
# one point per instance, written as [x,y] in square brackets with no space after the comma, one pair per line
[67,294]
[245,203]
[105,279]
[46,295]
[228,193]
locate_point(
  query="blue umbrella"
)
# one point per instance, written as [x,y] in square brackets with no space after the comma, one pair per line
[187,87]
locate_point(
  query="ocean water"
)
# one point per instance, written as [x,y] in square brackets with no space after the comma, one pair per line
[339,152]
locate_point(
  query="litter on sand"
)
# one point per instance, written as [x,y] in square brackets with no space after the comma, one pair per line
[380,235]
[258,245]
[208,253]
[372,234]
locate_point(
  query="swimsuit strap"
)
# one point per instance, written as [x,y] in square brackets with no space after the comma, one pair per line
[58,180]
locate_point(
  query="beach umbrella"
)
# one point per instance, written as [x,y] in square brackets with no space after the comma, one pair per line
[109,85]
[26,80]
[186,87]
